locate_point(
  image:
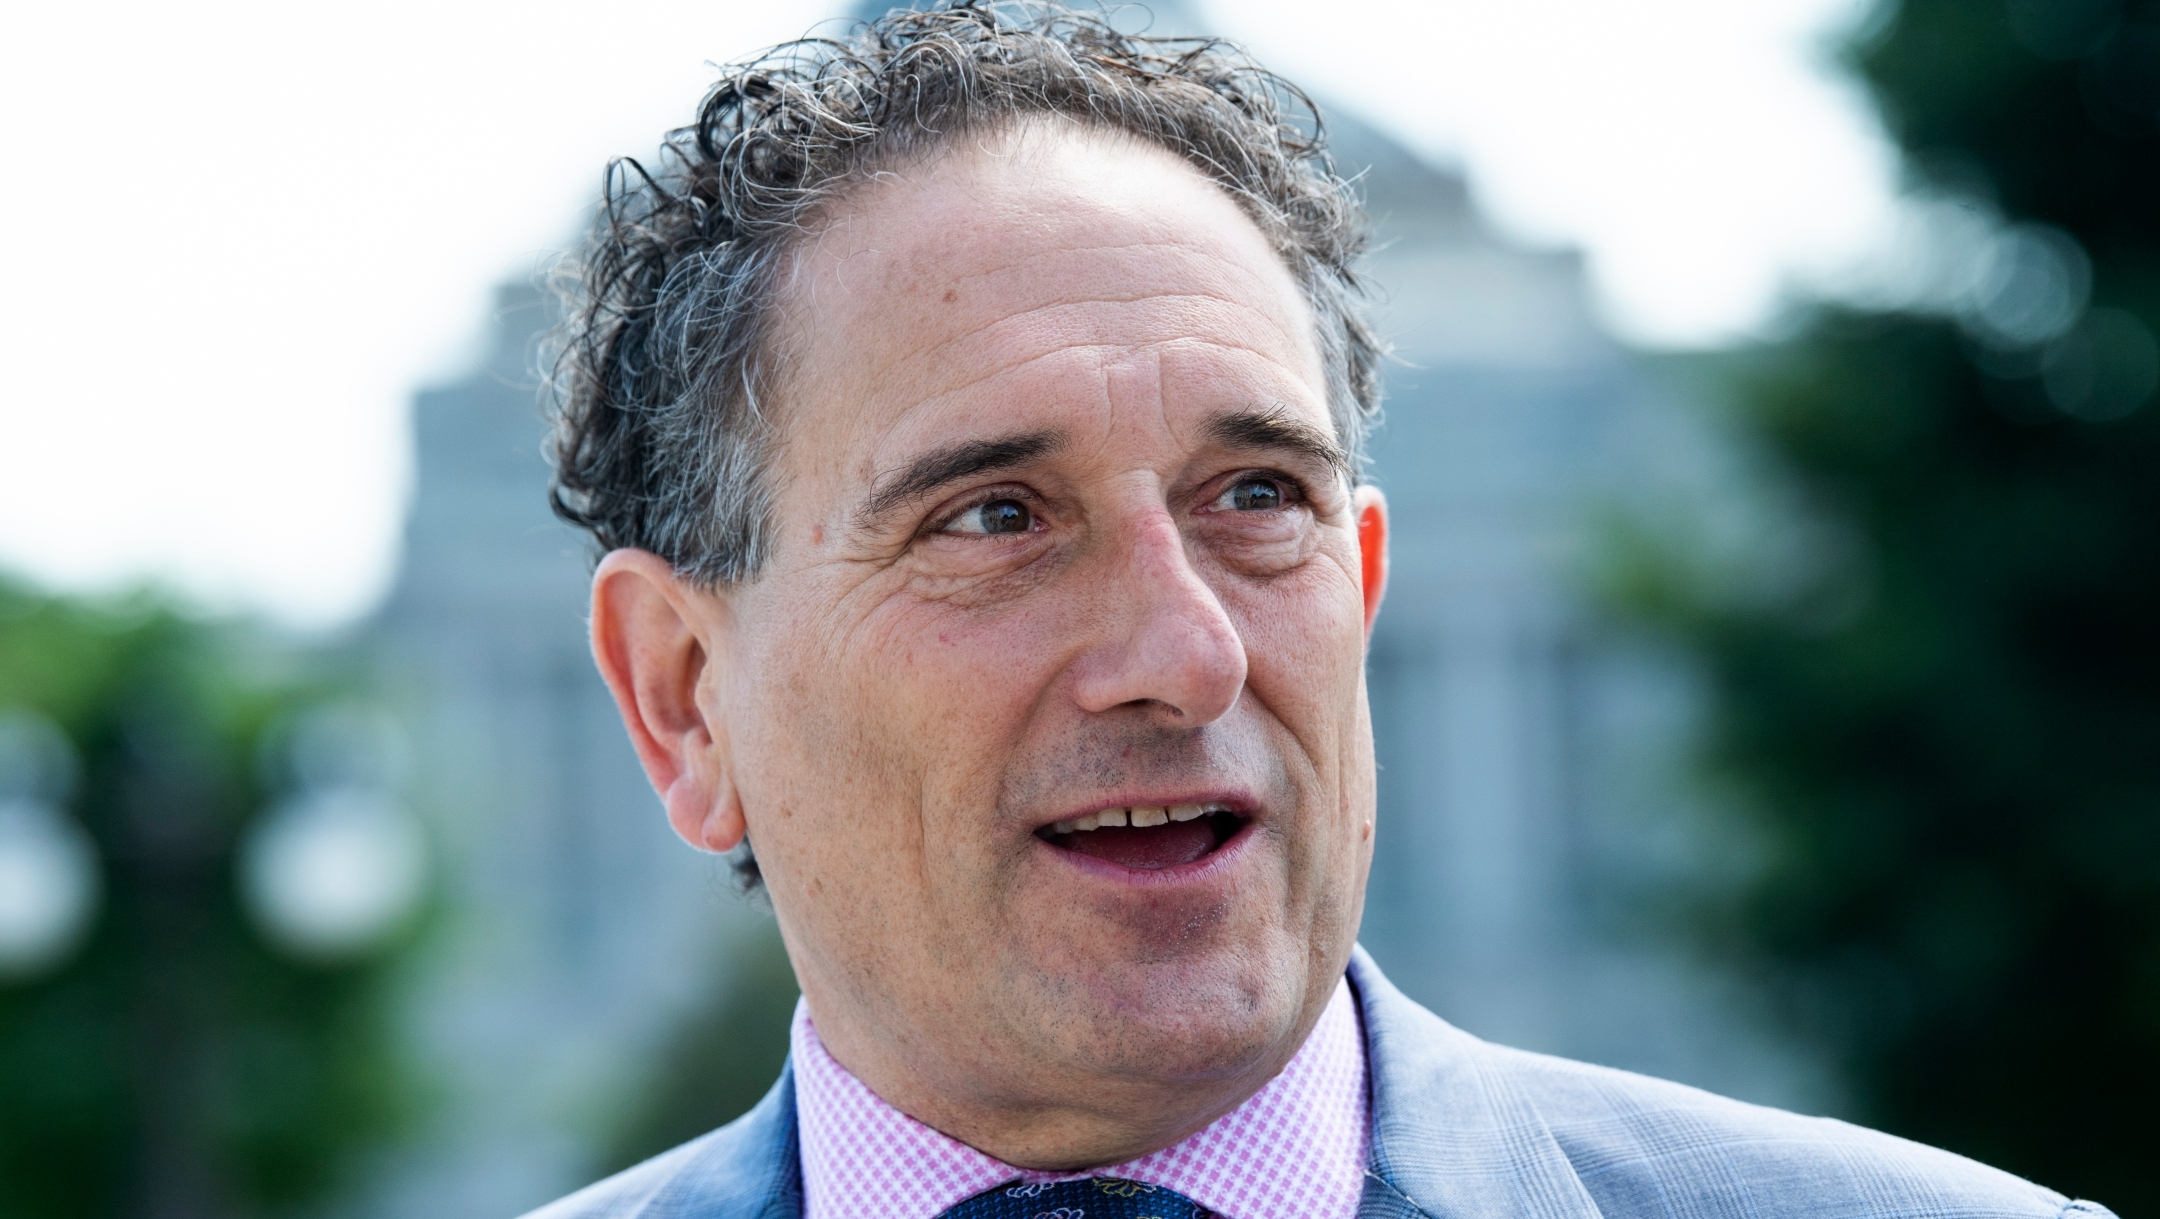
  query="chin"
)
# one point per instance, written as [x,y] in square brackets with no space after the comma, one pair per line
[1179,1012]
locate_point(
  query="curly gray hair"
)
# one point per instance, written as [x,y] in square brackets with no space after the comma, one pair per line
[659,439]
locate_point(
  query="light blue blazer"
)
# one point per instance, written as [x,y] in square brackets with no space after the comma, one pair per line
[1463,1129]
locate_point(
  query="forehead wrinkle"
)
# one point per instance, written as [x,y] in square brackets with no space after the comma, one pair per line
[816,250]
[925,354]
[1018,365]
[967,277]
[1297,338]
[1292,335]
[1228,268]
[1227,258]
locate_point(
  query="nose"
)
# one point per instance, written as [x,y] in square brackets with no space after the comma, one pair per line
[1165,641]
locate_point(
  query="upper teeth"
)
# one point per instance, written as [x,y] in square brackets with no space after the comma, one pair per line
[1140,815]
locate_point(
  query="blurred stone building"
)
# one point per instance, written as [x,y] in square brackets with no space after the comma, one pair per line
[1533,787]
[1530,764]
[576,927]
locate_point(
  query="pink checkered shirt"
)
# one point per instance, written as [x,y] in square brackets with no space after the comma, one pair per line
[1294,1150]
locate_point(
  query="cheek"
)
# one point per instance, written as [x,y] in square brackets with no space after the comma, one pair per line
[818,780]
[963,683]
[1305,646]
[1305,649]
[904,718]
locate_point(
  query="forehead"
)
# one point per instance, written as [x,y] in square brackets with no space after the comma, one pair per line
[1032,269]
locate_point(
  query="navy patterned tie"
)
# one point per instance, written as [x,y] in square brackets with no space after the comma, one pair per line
[1094,1198]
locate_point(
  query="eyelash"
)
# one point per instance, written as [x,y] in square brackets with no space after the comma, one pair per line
[1293,488]
[945,520]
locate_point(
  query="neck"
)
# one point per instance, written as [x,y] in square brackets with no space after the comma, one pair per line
[1049,1115]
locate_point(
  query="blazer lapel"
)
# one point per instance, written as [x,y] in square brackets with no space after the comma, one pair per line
[1452,1138]
[752,1168]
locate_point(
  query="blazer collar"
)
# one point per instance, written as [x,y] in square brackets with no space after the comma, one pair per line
[750,1168]
[1452,1137]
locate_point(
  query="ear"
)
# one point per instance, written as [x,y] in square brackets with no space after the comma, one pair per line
[661,645]
[1371,509]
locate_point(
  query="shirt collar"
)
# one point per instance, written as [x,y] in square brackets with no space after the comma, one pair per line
[1296,1148]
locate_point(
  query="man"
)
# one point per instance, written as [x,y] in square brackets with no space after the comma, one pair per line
[971,417]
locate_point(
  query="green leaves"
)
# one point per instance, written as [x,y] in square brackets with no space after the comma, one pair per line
[175,1062]
[1948,732]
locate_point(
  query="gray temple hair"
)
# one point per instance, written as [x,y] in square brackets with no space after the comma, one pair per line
[661,437]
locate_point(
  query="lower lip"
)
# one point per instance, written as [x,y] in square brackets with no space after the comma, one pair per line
[1204,868]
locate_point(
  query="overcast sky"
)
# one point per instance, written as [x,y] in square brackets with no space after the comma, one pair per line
[237,235]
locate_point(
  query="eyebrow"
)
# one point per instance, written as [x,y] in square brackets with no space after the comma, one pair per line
[1277,428]
[941,467]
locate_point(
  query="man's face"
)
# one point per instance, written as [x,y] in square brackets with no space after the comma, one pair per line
[1060,535]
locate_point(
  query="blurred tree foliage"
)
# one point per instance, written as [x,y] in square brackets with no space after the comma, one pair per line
[1948,733]
[175,1066]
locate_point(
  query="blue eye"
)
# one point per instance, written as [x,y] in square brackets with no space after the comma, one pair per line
[997,516]
[1255,495]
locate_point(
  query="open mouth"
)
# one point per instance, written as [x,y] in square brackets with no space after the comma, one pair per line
[1147,838]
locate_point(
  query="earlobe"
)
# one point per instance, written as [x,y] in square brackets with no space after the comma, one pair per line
[1371,508]
[707,815]
[657,642]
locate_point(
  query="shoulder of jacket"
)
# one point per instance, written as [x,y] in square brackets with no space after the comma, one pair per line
[1640,1144]
[746,1169]
[631,1191]
[1461,1124]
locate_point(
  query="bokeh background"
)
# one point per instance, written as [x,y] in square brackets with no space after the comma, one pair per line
[1767,698]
